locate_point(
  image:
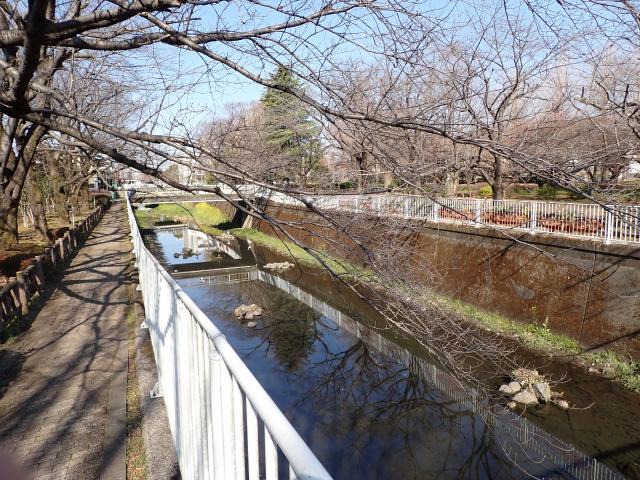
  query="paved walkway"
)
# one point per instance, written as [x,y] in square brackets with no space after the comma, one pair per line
[63,384]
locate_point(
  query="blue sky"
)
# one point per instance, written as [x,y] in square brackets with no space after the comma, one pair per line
[212,86]
[220,86]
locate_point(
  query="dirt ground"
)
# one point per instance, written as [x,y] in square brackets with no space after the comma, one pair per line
[18,258]
[21,255]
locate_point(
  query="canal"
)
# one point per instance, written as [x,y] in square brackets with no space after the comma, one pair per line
[369,403]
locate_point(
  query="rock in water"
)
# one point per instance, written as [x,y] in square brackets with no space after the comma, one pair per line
[240,311]
[527,377]
[526,398]
[278,266]
[563,404]
[542,391]
[510,389]
[251,324]
[248,311]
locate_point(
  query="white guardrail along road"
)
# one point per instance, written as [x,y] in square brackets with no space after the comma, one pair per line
[214,403]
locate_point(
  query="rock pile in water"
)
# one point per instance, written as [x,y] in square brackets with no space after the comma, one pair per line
[278,266]
[528,388]
[248,312]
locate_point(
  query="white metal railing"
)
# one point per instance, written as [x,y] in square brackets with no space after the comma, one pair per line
[214,403]
[611,223]
[507,426]
[618,223]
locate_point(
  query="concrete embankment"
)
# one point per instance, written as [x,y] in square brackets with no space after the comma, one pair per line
[586,290]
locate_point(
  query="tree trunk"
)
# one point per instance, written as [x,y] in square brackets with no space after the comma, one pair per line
[388,179]
[452,174]
[59,196]
[8,221]
[37,208]
[13,176]
[451,180]
[498,180]
[361,164]
[83,196]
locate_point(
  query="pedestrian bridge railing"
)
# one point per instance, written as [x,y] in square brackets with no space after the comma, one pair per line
[216,407]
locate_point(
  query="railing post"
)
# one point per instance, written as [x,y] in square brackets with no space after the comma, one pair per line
[533,217]
[219,460]
[67,237]
[478,213]
[156,391]
[406,207]
[22,293]
[608,229]
[60,242]
[40,270]
[436,212]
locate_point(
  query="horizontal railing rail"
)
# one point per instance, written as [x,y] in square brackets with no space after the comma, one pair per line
[16,294]
[609,223]
[216,407]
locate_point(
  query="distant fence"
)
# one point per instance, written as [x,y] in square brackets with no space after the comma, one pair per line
[224,424]
[16,294]
[608,223]
[611,223]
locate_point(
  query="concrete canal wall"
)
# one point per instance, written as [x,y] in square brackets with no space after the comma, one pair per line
[585,289]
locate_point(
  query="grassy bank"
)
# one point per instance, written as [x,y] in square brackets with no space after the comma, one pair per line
[536,337]
[540,339]
[299,254]
[207,217]
[135,449]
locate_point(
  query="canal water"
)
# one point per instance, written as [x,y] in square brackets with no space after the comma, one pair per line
[368,405]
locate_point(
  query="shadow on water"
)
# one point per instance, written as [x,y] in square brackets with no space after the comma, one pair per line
[368,404]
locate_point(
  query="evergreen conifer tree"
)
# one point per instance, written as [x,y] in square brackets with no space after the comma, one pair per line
[290,130]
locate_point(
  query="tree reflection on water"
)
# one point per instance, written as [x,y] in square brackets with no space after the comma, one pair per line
[291,332]
[367,407]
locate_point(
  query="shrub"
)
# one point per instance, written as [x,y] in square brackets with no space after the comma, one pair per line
[486,191]
[346,185]
[525,189]
[574,195]
[208,214]
[547,192]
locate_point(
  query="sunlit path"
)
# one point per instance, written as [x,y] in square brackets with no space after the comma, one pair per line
[62,390]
